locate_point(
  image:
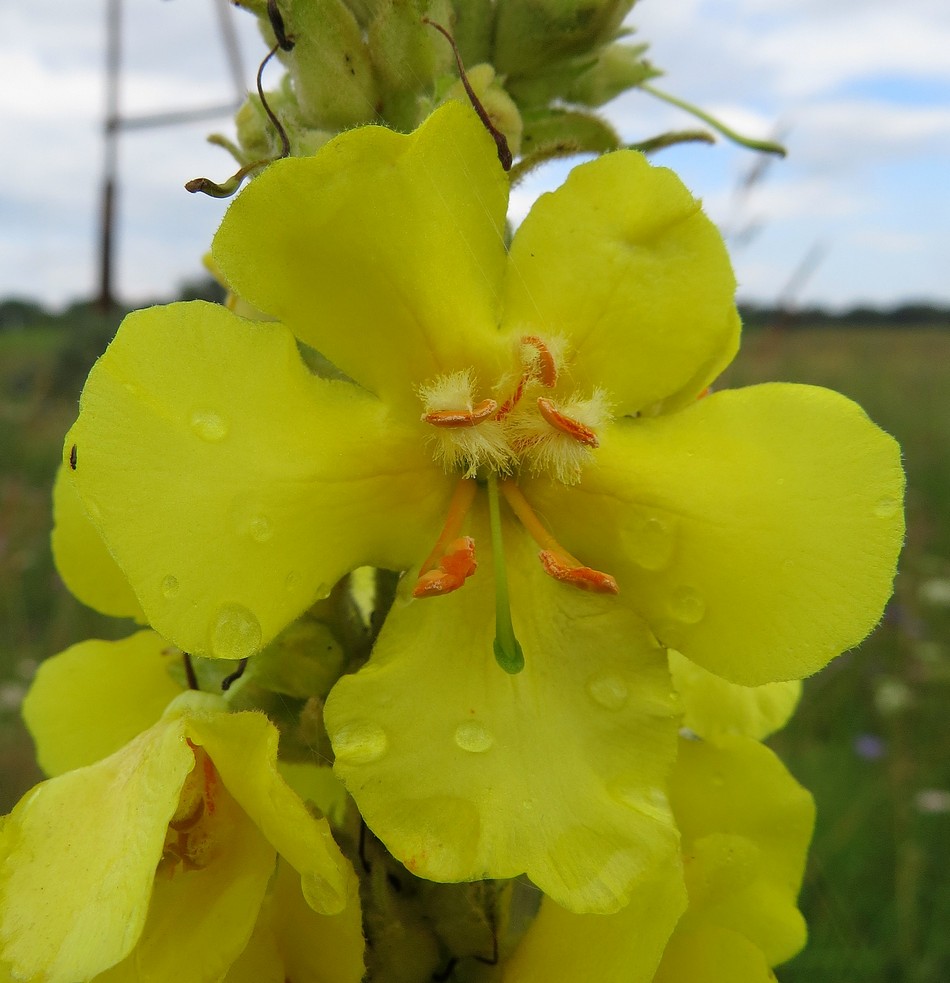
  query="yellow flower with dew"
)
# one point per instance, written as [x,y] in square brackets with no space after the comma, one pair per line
[520,429]
[175,835]
[746,825]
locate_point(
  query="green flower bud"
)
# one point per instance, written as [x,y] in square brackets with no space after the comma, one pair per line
[533,34]
[619,67]
[330,65]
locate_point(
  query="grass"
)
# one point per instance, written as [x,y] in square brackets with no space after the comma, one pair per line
[870,739]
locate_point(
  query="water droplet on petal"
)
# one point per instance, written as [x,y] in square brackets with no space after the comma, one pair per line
[235,634]
[169,587]
[473,736]
[687,606]
[886,508]
[360,744]
[209,425]
[610,692]
[651,542]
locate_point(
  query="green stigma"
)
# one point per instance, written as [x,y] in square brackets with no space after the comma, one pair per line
[508,653]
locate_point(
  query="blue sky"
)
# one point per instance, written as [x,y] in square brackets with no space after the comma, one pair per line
[860,88]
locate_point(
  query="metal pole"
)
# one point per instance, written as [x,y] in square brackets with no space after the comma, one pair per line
[106,300]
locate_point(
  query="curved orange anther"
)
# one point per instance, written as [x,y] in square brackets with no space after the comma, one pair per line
[566,424]
[546,370]
[455,567]
[452,419]
[586,578]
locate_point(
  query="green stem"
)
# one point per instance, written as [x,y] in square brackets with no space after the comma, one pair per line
[766,146]
[508,653]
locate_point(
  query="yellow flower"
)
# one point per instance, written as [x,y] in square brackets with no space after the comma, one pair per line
[535,407]
[746,825]
[154,861]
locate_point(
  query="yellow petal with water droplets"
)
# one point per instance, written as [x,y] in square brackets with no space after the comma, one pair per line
[232,486]
[756,531]
[558,772]
[244,750]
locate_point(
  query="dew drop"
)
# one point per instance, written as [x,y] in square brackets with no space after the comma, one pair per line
[169,587]
[610,692]
[360,744]
[473,736]
[235,634]
[209,425]
[687,606]
[886,508]
[652,542]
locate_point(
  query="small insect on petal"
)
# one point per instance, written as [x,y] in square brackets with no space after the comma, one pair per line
[73,457]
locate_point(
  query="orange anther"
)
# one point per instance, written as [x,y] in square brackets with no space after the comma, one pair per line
[566,424]
[586,578]
[452,419]
[546,371]
[456,566]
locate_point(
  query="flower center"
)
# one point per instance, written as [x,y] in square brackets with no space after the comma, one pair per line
[519,423]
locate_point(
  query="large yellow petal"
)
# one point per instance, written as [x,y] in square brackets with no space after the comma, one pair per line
[384,251]
[95,697]
[713,707]
[746,825]
[200,920]
[231,485]
[466,772]
[243,748]
[563,947]
[622,262]
[756,531]
[78,857]
[84,563]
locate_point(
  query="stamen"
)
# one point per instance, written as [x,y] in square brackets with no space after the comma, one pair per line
[566,424]
[455,567]
[546,368]
[508,651]
[452,559]
[461,418]
[540,366]
[555,560]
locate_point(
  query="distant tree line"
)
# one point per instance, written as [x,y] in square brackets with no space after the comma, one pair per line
[18,314]
[906,315]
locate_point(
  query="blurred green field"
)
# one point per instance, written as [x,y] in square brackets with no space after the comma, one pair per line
[870,740]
